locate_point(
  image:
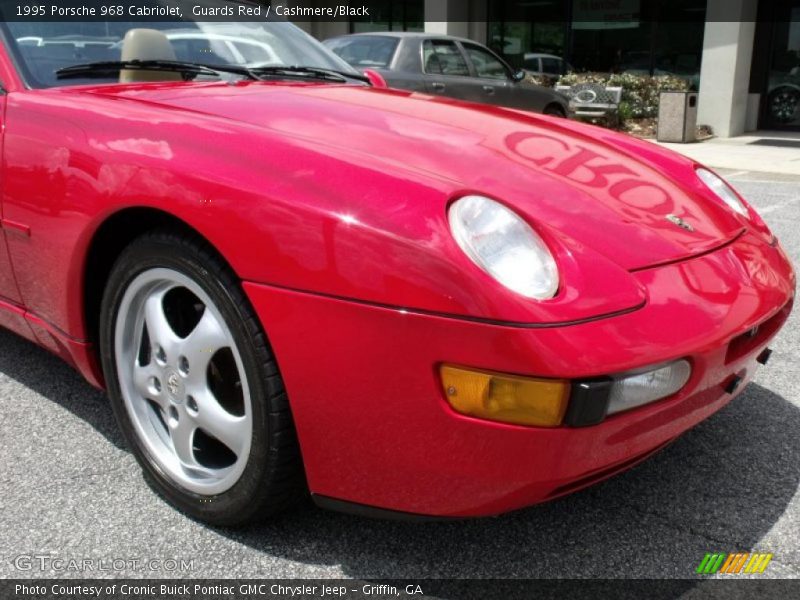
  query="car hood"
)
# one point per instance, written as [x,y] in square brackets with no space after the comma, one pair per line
[629,200]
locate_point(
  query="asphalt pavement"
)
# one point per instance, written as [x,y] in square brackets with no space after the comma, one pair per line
[70,491]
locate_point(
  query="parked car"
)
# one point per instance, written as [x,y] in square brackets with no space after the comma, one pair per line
[446,66]
[783,97]
[547,66]
[213,44]
[290,281]
[73,41]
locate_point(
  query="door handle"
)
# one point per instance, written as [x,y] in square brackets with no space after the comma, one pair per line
[437,87]
[489,89]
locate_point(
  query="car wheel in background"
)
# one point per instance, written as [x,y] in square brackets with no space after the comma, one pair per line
[783,104]
[554,110]
[194,385]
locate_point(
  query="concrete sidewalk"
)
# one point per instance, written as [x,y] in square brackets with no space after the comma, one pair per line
[763,151]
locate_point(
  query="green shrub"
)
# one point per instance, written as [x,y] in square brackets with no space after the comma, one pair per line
[640,93]
[625,111]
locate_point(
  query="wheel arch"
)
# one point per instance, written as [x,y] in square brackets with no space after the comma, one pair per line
[134,242]
[109,240]
[554,104]
[786,84]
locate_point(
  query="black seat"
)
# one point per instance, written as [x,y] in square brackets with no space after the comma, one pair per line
[433,64]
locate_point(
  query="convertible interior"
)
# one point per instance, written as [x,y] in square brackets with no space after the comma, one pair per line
[44,56]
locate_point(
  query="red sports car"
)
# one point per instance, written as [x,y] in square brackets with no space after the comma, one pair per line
[290,278]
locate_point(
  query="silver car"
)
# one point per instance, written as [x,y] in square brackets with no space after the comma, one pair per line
[446,66]
[546,66]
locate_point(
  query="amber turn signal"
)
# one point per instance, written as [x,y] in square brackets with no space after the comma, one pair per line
[506,398]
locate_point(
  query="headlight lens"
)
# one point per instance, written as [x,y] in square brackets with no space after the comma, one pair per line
[723,191]
[644,388]
[501,243]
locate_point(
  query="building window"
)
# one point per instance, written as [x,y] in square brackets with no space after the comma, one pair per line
[392,15]
[521,30]
[644,37]
[442,57]
[486,64]
[783,85]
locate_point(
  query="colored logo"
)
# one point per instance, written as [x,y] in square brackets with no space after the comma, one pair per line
[733,564]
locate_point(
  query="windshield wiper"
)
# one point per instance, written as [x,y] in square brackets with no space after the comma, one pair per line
[309,72]
[189,70]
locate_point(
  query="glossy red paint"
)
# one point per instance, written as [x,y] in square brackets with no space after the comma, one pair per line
[375,78]
[376,429]
[330,202]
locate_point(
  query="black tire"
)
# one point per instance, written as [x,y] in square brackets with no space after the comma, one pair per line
[554,110]
[273,478]
[783,104]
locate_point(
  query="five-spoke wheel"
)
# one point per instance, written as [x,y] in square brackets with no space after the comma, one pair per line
[182,381]
[194,384]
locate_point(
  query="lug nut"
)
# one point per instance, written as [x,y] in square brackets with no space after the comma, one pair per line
[191,403]
[183,365]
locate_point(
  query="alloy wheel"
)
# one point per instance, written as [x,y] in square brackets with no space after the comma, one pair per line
[784,105]
[182,381]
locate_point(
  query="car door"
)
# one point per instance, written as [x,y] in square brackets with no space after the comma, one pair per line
[12,310]
[446,71]
[492,76]
[395,59]
[499,86]
[8,284]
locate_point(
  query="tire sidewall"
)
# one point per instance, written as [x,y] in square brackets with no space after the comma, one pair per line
[774,97]
[237,503]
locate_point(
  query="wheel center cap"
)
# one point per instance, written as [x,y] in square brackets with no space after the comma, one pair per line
[175,386]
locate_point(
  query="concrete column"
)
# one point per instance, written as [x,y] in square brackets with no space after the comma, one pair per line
[322,30]
[442,17]
[725,70]
[478,21]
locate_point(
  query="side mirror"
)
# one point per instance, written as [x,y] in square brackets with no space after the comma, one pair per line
[376,79]
[519,75]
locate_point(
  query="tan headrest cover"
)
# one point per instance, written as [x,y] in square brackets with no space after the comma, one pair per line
[147,44]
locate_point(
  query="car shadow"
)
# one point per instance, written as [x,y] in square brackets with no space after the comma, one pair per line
[720,487]
[52,378]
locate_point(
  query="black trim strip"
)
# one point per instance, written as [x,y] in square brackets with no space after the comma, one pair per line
[676,261]
[588,402]
[372,512]
[46,323]
[457,317]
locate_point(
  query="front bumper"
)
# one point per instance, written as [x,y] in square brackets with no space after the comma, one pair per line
[376,430]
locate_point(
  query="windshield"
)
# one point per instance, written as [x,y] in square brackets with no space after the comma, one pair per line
[43,48]
[364,50]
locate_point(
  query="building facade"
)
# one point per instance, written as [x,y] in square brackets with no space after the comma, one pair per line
[743,56]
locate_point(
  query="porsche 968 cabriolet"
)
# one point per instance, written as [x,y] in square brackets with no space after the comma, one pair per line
[292,279]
